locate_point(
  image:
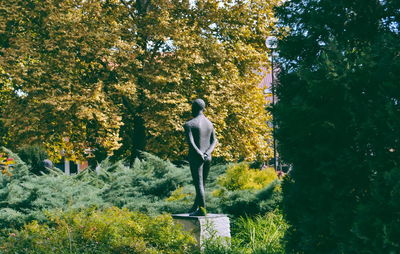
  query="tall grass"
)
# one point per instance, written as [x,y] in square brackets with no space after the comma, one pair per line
[253,235]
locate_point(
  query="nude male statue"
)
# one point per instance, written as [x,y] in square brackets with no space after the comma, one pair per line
[201,138]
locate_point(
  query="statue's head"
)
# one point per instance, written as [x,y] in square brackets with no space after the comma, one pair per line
[198,105]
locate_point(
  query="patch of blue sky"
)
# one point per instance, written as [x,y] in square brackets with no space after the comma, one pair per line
[394,27]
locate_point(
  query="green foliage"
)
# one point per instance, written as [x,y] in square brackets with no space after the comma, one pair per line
[26,196]
[53,207]
[249,202]
[150,185]
[145,185]
[33,156]
[339,122]
[262,234]
[377,222]
[110,231]
[244,191]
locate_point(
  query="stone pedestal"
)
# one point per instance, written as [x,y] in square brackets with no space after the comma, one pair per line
[213,227]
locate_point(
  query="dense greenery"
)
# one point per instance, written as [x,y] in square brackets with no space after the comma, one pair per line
[339,125]
[115,230]
[118,75]
[33,156]
[110,231]
[241,177]
[253,235]
[26,196]
[59,211]
[151,185]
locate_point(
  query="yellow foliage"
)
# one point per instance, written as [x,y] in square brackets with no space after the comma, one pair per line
[89,69]
[241,177]
[113,230]
[64,77]
[214,59]
[179,194]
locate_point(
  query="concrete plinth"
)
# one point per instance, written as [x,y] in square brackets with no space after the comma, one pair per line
[212,226]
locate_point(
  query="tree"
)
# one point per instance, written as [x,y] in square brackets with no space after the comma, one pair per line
[338,118]
[124,73]
[207,49]
[60,55]
[6,95]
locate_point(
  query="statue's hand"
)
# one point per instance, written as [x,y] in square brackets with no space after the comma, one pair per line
[201,156]
[207,157]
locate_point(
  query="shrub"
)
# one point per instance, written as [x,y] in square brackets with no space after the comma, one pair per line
[250,202]
[241,177]
[377,221]
[259,234]
[262,233]
[150,185]
[25,196]
[113,230]
[145,186]
[180,194]
[33,155]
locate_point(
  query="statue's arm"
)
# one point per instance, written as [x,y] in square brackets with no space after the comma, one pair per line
[190,140]
[213,143]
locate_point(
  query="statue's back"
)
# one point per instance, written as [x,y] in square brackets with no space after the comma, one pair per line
[201,129]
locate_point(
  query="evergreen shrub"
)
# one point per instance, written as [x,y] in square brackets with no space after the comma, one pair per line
[145,185]
[25,196]
[33,155]
[151,185]
[250,202]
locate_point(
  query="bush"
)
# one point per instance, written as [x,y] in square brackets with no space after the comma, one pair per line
[250,202]
[26,196]
[259,234]
[33,155]
[241,177]
[144,186]
[151,185]
[377,222]
[113,230]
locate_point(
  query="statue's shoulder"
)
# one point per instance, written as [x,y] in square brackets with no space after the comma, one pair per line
[190,123]
[208,122]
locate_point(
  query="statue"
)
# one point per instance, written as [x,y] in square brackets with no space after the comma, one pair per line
[201,138]
[47,164]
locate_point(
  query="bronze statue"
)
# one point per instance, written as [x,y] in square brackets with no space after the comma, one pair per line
[201,138]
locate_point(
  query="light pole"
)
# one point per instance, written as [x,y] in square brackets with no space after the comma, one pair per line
[272,43]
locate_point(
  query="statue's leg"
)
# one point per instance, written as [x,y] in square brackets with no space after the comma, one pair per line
[194,166]
[202,196]
[195,180]
[197,175]
[206,170]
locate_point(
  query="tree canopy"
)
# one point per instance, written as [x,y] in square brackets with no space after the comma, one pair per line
[339,124]
[118,75]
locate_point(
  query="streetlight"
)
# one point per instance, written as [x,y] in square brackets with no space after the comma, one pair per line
[272,43]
